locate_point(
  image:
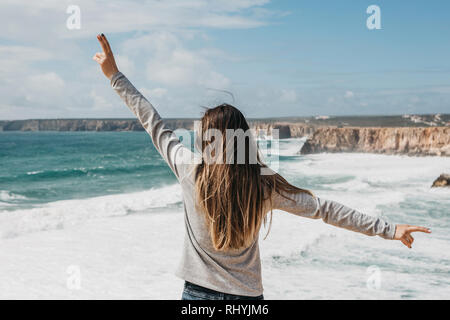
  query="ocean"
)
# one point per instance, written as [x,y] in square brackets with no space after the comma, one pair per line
[99,215]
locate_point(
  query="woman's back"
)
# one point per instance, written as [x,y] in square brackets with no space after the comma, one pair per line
[235,271]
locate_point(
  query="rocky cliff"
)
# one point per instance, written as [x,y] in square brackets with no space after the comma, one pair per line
[85,124]
[412,141]
[285,129]
[322,138]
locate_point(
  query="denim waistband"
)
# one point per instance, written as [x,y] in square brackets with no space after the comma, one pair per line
[205,293]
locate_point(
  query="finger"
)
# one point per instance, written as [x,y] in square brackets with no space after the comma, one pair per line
[405,242]
[102,43]
[409,238]
[106,42]
[96,58]
[418,229]
[100,55]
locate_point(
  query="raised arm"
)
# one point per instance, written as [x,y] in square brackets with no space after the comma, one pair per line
[331,212]
[164,139]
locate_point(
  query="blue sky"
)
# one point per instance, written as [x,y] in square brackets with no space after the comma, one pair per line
[279,58]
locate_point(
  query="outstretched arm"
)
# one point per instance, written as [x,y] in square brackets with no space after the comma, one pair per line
[331,212]
[164,139]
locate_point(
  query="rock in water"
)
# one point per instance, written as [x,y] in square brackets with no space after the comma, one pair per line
[306,148]
[284,131]
[442,181]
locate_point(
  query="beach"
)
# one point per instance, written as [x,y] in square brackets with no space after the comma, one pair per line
[100,216]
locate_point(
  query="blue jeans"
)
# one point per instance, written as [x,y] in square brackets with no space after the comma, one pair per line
[194,292]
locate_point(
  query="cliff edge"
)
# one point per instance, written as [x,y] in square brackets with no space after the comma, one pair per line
[358,134]
[433,141]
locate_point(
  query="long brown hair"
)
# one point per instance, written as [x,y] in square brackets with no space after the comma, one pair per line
[233,194]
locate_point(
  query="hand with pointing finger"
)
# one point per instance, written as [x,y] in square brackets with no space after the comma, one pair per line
[403,233]
[106,58]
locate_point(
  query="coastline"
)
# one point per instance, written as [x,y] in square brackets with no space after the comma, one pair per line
[427,135]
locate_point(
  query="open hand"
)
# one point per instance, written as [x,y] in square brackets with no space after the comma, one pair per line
[403,233]
[105,58]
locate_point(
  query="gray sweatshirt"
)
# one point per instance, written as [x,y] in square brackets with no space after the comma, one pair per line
[237,271]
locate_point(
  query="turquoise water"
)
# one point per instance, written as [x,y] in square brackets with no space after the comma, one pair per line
[41,167]
[63,181]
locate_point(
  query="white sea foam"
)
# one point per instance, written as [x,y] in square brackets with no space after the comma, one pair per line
[284,147]
[379,175]
[134,256]
[6,195]
[34,172]
[59,214]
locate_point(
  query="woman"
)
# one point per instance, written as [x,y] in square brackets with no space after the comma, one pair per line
[226,202]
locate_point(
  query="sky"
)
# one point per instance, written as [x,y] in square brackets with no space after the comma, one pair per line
[278,58]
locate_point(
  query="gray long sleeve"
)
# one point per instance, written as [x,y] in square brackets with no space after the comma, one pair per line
[334,213]
[164,139]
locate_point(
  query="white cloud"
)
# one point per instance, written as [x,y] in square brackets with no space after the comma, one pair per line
[53,71]
[288,96]
[24,88]
[21,82]
[99,102]
[46,70]
[414,99]
[46,82]
[18,59]
[49,16]
[184,68]
[39,88]
[126,64]
[154,93]
[170,63]
[349,94]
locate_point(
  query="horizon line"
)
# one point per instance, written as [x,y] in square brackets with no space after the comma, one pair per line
[249,118]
